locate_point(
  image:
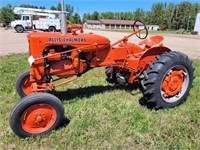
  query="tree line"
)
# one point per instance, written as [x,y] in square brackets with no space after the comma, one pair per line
[166,15]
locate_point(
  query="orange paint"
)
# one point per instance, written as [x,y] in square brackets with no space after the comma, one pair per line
[67,55]
[38,118]
[172,83]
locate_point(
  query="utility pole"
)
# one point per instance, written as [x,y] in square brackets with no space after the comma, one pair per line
[77,16]
[63,19]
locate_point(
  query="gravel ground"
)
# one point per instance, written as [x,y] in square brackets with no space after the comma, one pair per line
[12,42]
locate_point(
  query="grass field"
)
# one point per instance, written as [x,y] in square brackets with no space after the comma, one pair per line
[101,115]
[154,32]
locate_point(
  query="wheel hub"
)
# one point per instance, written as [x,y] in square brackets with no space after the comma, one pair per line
[172,83]
[39,118]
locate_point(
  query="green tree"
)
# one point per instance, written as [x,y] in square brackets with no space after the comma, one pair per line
[28,6]
[121,14]
[116,16]
[128,15]
[86,16]
[158,10]
[76,19]
[139,14]
[53,8]
[107,15]
[70,10]
[41,7]
[169,13]
[7,15]
[59,7]
[95,15]
[148,17]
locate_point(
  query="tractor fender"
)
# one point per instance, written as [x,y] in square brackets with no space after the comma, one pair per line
[150,55]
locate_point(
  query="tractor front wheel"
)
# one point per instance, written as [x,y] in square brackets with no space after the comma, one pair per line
[36,115]
[23,84]
[168,80]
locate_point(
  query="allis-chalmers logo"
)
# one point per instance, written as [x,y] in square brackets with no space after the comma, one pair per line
[52,39]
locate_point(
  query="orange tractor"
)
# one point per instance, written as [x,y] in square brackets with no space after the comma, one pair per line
[71,26]
[166,76]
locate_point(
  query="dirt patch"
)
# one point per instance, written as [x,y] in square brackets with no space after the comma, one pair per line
[12,42]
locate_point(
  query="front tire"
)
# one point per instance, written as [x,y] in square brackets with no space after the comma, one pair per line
[168,80]
[36,115]
[19,29]
[23,84]
[52,29]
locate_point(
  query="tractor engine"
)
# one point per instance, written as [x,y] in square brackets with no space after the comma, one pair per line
[63,55]
[65,65]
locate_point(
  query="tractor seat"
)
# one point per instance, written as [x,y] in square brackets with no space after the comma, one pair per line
[154,40]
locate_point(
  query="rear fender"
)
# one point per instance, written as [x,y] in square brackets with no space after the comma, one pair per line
[150,55]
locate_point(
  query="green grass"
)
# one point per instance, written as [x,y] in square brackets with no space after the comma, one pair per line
[102,115]
[152,32]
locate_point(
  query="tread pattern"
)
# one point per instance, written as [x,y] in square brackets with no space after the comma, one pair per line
[19,82]
[154,74]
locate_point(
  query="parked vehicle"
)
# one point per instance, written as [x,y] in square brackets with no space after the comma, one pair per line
[166,76]
[45,20]
[71,26]
[162,29]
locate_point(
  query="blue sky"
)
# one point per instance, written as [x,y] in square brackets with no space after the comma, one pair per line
[89,6]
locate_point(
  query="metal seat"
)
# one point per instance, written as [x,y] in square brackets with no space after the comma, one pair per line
[154,40]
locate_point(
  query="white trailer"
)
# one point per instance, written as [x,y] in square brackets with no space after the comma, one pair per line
[46,20]
[197,24]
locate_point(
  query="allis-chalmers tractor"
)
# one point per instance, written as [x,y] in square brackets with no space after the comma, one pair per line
[166,76]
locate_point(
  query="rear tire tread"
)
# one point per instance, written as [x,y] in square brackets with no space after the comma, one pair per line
[158,68]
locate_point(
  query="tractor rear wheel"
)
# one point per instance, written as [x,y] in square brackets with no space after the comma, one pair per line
[168,80]
[23,84]
[36,115]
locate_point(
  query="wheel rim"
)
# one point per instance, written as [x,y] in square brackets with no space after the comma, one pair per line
[19,29]
[26,86]
[38,118]
[52,29]
[174,83]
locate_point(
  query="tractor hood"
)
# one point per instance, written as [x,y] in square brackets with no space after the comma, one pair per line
[40,40]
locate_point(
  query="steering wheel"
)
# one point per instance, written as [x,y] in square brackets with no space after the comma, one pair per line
[141,26]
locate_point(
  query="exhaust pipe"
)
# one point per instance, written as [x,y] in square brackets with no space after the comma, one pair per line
[63,19]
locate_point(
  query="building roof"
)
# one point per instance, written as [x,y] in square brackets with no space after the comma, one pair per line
[93,22]
[112,22]
[117,22]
